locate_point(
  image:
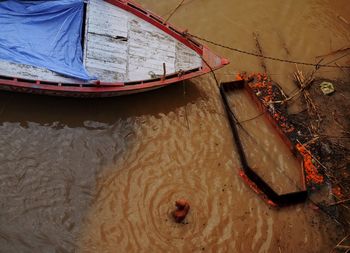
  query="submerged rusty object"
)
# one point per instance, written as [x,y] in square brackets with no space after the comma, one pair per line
[258,184]
[182,209]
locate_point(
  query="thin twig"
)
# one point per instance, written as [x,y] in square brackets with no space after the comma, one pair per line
[339,246]
[184,94]
[258,46]
[338,123]
[339,202]
[334,52]
[340,67]
[313,157]
[311,141]
[337,59]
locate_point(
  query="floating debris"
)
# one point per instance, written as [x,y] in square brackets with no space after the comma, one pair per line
[182,209]
[343,19]
[327,88]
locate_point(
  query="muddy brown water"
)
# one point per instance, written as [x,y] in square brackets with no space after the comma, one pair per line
[103,175]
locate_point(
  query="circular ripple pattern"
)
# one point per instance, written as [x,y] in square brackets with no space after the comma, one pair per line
[180,154]
[174,157]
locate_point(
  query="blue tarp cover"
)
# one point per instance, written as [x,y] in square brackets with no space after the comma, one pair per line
[44,34]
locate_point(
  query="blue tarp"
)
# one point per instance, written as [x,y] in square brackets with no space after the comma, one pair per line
[44,34]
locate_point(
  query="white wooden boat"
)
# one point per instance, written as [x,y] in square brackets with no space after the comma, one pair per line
[127,48]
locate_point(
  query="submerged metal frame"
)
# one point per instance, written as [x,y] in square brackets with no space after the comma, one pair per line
[258,184]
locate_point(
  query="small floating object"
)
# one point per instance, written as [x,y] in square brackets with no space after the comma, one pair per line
[343,19]
[327,88]
[182,209]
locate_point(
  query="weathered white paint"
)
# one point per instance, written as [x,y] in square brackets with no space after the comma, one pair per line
[106,57]
[106,47]
[186,58]
[119,47]
[149,48]
[33,73]
[106,19]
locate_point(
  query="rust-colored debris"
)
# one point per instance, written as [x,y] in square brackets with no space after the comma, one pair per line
[312,174]
[336,190]
[182,209]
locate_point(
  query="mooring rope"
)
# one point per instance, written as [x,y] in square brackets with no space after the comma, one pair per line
[317,65]
[339,58]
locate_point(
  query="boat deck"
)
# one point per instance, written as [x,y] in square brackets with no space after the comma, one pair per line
[118,47]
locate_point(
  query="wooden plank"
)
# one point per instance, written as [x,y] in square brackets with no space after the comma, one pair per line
[108,76]
[107,50]
[106,54]
[106,19]
[32,73]
[149,48]
[186,58]
[120,47]
[99,64]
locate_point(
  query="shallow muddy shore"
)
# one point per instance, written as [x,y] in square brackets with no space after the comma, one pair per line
[331,145]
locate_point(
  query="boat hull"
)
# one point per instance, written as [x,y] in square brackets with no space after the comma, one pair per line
[102,90]
[76,88]
[73,94]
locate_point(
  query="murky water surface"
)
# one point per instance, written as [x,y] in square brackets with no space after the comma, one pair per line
[103,175]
